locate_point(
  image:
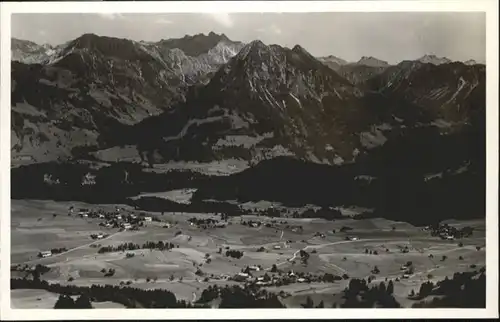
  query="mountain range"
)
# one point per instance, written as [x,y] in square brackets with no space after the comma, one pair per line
[253,101]
[404,139]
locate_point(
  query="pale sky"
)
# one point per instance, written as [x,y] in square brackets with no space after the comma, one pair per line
[389,36]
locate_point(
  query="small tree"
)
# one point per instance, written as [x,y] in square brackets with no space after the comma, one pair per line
[64,302]
[83,302]
[390,287]
[309,303]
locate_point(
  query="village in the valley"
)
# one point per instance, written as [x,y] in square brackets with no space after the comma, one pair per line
[294,257]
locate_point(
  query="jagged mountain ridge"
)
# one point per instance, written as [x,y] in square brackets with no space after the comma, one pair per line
[259,99]
[29,52]
[94,83]
[433,59]
[269,101]
[265,101]
[455,92]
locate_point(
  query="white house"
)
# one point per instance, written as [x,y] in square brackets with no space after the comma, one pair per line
[47,253]
[127,225]
[241,276]
[148,219]
[301,280]
[277,247]
[254,268]
[100,236]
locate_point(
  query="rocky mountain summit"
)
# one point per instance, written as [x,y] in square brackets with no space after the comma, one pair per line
[63,97]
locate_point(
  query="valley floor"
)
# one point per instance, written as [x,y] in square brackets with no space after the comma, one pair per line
[43,225]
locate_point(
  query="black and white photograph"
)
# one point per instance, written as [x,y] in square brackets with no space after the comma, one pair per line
[249,160]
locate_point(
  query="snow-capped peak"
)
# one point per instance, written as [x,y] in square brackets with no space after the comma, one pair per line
[433,59]
[470,62]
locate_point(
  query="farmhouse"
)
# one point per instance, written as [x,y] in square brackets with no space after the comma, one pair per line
[47,253]
[241,276]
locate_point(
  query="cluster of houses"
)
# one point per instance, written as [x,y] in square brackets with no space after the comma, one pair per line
[206,223]
[114,219]
[407,269]
[276,280]
[444,231]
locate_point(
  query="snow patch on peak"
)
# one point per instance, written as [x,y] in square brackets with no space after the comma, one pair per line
[433,59]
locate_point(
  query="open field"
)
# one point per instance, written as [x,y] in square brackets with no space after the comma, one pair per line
[34,229]
[41,299]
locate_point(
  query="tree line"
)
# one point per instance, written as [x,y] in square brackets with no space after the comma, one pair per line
[463,290]
[128,296]
[131,246]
